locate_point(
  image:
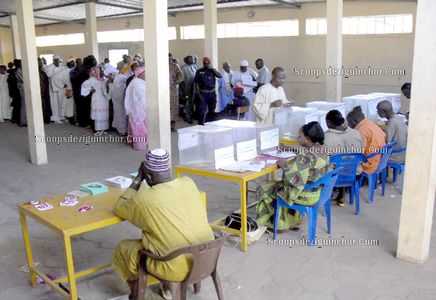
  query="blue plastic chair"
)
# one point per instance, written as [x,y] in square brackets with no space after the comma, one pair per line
[381,172]
[327,182]
[347,164]
[396,166]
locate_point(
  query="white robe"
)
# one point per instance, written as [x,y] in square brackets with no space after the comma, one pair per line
[5,100]
[118,93]
[135,105]
[248,81]
[135,102]
[59,77]
[266,95]
[99,102]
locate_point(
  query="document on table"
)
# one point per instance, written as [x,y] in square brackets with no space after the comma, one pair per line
[280,154]
[188,140]
[245,166]
[269,139]
[246,150]
[224,156]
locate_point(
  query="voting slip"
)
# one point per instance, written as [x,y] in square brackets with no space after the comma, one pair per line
[121,182]
[94,188]
[78,194]
[43,206]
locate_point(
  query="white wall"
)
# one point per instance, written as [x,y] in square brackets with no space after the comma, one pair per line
[392,51]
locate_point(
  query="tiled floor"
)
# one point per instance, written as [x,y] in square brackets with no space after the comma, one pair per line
[266,272]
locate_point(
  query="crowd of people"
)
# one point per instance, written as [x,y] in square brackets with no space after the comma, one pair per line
[104,97]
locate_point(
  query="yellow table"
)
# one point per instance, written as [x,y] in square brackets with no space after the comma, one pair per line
[239,178]
[284,141]
[68,222]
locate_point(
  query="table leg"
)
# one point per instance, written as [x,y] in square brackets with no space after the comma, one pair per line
[27,248]
[243,191]
[70,267]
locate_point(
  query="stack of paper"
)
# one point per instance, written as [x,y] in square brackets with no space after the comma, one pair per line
[121,182]
[94,188]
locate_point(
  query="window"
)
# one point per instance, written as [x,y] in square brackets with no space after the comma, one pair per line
[244,30]
[259,29]
[60,40]
[316,26]
[383,24]
[116,55]
[129,35]
[192,32]
[48,58]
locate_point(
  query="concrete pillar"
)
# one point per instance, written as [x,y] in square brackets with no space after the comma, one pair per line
[32,90]
[334,50]
[157,73]
[91,29]
[420,176]
[210,28]
[15,36]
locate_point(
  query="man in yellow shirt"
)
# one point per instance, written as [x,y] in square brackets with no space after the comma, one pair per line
[170,215]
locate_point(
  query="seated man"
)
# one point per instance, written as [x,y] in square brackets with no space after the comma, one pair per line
[170,215]
[406,90]
[309,165]
[373,137]
[340,138]
[396,128]
[239,100]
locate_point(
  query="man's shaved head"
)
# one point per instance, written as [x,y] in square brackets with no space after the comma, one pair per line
[355,116]
[385,109]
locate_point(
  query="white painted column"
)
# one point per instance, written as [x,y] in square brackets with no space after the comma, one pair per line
[420,176]
[334,50]
[32,89]
[15,36]
[91,29]
[157,73]
[210,31]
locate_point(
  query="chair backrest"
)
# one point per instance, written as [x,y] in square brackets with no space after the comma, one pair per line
[386,153]
[347,164]
[242,109]
[204,259]
[326,182]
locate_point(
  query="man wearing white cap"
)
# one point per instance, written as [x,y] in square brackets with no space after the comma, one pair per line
[246,78]
[169,213]
[59,77]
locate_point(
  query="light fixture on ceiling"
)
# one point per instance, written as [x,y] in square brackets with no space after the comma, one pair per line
[251,14]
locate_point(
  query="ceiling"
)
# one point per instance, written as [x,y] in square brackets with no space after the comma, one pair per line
[59,11]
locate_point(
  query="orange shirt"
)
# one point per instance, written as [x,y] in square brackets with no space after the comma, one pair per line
[373,139]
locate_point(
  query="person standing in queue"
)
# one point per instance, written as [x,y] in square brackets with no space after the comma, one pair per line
[205,83]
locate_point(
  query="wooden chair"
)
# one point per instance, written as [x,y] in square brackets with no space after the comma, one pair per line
[204,264]
[241,110]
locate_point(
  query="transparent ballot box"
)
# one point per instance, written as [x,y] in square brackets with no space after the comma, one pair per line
[297,118]
[268,138]
[369,102]
[328,106]
[208,145]
[318,116]
[395,99]
[244,137]
[281,119]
